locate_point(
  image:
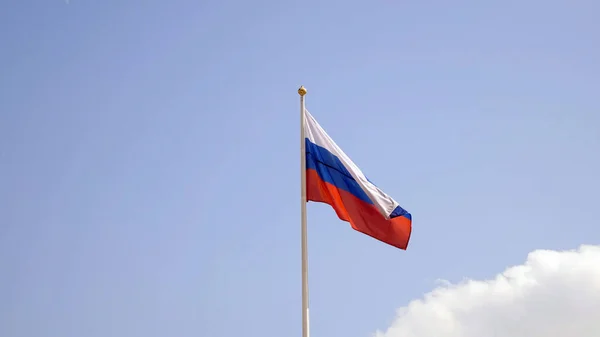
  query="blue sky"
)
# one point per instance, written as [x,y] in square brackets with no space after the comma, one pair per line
[149,176]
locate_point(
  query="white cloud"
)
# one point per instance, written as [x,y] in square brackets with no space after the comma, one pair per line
[554,294]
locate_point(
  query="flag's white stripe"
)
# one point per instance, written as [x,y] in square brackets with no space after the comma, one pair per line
[315,133]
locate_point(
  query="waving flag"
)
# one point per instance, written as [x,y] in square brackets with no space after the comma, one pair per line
[332,178]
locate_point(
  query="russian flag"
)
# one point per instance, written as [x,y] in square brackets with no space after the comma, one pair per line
[332,178]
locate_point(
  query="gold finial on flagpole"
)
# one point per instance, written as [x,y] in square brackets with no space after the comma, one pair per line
[302,91]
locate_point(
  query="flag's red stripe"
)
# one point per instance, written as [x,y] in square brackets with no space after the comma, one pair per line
[362,216]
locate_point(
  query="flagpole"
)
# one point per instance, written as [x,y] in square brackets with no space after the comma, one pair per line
[304,235]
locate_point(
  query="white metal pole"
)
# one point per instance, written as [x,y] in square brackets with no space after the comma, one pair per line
[304,236]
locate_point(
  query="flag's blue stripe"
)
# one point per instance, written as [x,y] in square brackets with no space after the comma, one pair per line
[399,211]
[331,170]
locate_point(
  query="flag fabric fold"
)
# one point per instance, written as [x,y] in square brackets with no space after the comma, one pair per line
[332,178]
